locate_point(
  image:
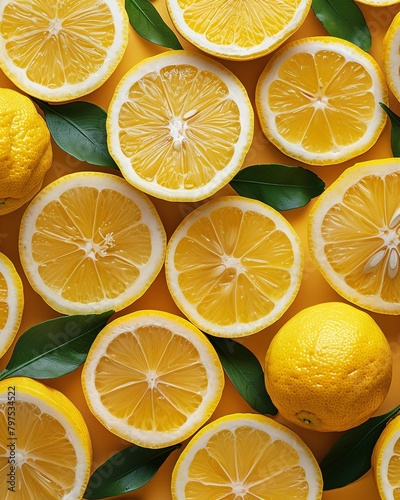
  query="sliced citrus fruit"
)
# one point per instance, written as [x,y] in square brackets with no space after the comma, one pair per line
[378,3]
[391,56]
[237,30]
[59,51]
[246,456]
[179,125]
[152,378]
[90,242]
[318,100]
[353,235]
[11,303]
[234,266]
[385,461]
[44,441]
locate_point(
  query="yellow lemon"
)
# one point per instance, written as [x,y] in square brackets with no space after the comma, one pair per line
[152,378]
[385,461]
[25,150]
[45,443]
[353,235]
[246,456]
[179,125]
[234,266]
[318,100]
[58,51]
[329,367]
[90,242]
[236,29]
[11,302]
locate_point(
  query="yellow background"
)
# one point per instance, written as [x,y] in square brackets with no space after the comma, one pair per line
[313,289]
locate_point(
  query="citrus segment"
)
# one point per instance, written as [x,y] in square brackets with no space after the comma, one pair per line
[237,30]
[179,126]
[45,445]
[353,235]
[391,55]
[329,367]
[249,457]
[234,266]
[90,242]
[11,303]
[318,100]
[152,378]
[59,51]
[386,461]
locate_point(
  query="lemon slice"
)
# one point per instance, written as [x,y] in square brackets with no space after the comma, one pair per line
[391,55]
[45,444]
[234,266]
[236,29]
[58,51]
[90,242]
[318,100]
[152,378]
[378,3]
[246,456]
[353,235]
[179,126]
[11,303]
[385,461]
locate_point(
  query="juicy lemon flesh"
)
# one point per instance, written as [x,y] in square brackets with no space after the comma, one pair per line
[367,258]
[322,101]
[4,308]
[393,472]
[57,43]
[179,127]
[246,463]
[90,244]
[244,24]
[45,459]
[151,378]
[234,265]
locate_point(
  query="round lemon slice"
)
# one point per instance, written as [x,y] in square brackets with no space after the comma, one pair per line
[59,51]
[179,126]
[11,303]
[353,235]
[236,29]
[46,447]
[152,378]
[391,56]
[318,100]
[234,266]
[246,456]
[385,461]
[90,242]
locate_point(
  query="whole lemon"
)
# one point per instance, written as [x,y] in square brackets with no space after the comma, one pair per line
[329,367]
[25,150]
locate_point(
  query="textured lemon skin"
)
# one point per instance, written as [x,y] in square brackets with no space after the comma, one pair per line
[384,451]
[329,367]
[25,150]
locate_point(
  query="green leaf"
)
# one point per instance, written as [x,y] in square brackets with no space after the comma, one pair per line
[280,186]
[125,471]
[79,128]
[245,372]
[148,23]
[395,130]
[55,347]
[350,457]
[343,19]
